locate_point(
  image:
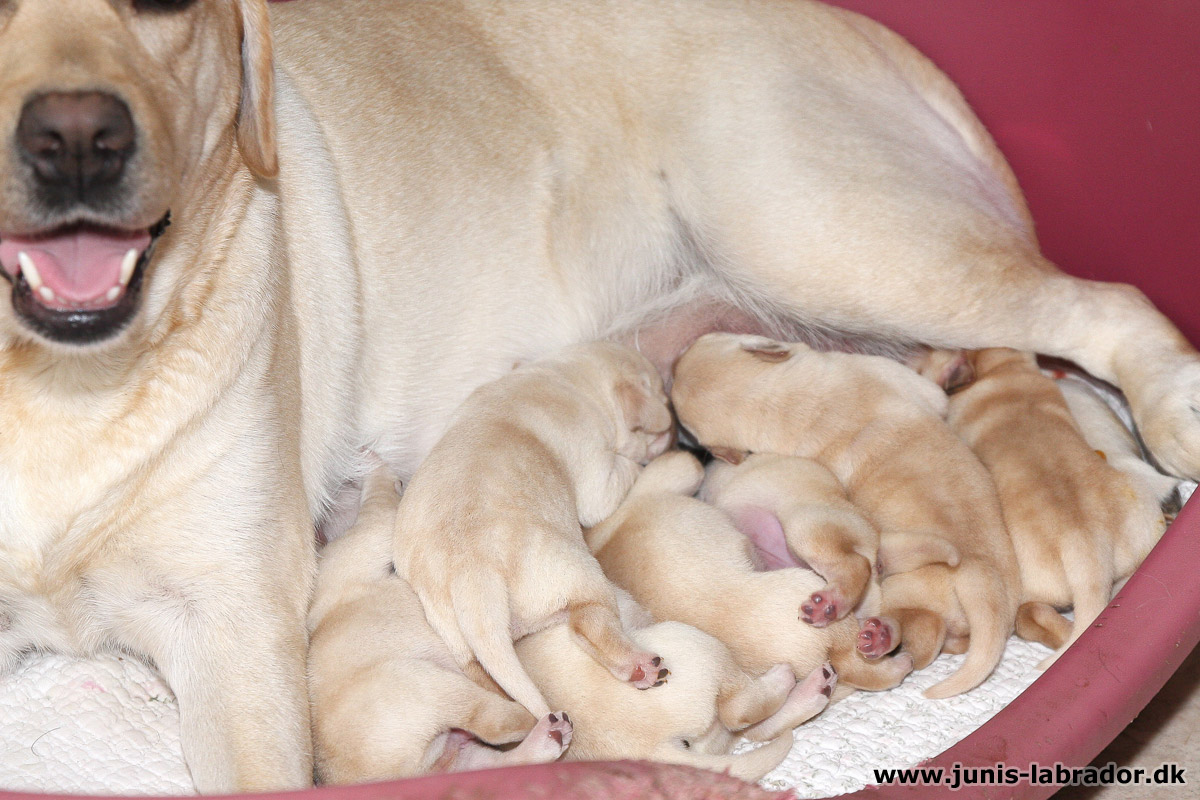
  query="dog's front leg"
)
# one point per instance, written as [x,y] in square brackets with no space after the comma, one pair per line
[220,610]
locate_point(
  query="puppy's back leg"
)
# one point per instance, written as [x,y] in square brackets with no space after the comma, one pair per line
[597,628]
[1041,623]
[832,549]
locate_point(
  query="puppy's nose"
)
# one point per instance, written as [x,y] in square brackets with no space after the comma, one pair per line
[76,142]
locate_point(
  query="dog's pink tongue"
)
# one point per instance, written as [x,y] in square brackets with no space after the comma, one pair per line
[79,267]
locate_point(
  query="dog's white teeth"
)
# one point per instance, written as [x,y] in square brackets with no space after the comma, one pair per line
[113,293]
[127,265]
[29,269]
[46,293]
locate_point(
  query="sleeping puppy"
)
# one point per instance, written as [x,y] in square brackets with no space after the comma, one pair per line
[796,513]
[488,531]
[683,559]
[948,567]
[695,719]
[1107,434]
[388,701]
[1077,522]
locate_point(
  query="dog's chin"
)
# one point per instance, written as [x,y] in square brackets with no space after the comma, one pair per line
[76,322]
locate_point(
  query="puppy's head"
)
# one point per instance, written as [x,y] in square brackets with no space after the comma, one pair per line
[117,117]
[629,386]
[955,370]
[710,391]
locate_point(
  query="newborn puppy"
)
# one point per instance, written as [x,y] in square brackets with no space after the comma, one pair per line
[488,532]
[684,560]
[796,514]
[1106,433]
[388,701]
[948,567]
[1077,522]
[695,719]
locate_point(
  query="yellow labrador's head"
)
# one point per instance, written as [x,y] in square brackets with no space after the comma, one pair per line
[711,389]
[115,115]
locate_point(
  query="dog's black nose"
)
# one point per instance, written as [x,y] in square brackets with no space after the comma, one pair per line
[76,142]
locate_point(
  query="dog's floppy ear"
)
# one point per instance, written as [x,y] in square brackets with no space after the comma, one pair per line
[953,370]
[641,409]
[256,112]
[728,454]
[768,350]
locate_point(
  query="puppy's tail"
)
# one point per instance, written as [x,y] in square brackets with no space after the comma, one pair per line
[496,720]
[990,607]
[484,616]
[676,472]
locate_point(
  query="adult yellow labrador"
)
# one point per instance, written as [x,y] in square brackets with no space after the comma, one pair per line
[413,197]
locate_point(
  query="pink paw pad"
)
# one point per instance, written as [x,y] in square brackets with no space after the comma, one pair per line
[875,638]
[649,672]
[556,727]
[821,609]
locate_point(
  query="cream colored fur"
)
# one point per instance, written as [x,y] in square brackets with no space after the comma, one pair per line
[948,567]
[388,700]
[1078,524]
[488,531]
[684,560]
[460,185]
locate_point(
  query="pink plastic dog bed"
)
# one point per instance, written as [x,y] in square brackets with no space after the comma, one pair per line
[1097,106]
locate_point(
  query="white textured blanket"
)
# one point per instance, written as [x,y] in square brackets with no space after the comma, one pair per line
[111,726]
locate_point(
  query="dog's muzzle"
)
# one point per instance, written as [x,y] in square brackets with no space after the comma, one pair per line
[79,284]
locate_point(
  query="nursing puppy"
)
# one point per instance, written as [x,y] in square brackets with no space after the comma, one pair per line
[488,531]
[684,560]
[948,567]
[796,513]
[696,718]
[1078,523]
[388,701]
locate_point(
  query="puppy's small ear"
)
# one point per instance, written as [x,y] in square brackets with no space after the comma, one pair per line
[256,112]
[767,350]
[957,375]
[641,409]
[953,370]
[728,455]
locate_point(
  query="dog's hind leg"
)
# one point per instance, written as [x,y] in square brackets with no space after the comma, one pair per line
[898,219]
[597,628]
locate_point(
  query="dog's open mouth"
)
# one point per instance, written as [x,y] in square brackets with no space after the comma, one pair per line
[80,283]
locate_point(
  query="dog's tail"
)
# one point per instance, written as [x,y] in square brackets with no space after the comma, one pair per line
[481,608]
[990,606]
[676,472]
[496,720]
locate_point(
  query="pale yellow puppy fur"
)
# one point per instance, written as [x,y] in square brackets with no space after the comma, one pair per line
[683,559]
[488,532]
[948,567]
[388,701]
[1078,523]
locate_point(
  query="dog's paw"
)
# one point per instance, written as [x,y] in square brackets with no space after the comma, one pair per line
[822,680]
[823,607]
[648,672]
[1167,413]
[551,736]
[876,637]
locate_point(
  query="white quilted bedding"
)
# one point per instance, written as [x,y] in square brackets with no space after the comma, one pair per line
[110,726]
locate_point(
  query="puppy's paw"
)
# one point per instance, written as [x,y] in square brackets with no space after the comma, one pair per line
[648,672]
[822,680]
[550,738]
[876,637]
[823,607]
